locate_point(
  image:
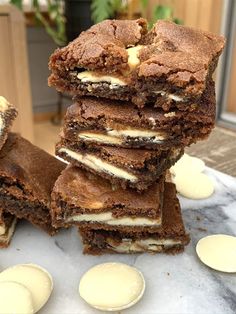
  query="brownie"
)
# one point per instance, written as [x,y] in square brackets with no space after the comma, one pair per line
[169,238]
[121,124]
[7,228]
[119,59]
[8,114]
[27,176]
[134,168]
[80,197]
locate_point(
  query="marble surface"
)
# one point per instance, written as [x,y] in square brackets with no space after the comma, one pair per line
[174,284]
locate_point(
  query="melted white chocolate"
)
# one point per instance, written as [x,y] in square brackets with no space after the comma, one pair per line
[110,220]
[152,245]
[133,59]
[4,104]
[99,165]
[93,77]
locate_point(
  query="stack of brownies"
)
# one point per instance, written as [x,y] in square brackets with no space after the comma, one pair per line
[139,98]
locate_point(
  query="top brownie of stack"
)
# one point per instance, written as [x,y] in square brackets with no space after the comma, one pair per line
[170,66]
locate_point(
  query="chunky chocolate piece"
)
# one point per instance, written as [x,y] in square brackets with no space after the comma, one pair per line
[135,168]
[118,59]
[8,114]
[27,176]
[7,228]
[80,197]
[121,124]
[169,238]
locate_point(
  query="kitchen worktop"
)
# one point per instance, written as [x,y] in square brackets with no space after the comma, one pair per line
[174,284]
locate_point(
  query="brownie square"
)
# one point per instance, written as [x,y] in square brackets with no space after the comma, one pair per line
[119,59]
[8,114]
[169,238]
[27,177]
[121,124]
[80,197]
[133,168]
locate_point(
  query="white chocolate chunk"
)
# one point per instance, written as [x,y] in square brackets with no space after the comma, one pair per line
[110,220]
[93,77]
[171,96]
[99,165]
[194,185]
[133,59]
[2,230]
[2,124]
[4,104]
[36,279]
[188,164]
[218,252]
[112,286]
[151,245]
[15,299]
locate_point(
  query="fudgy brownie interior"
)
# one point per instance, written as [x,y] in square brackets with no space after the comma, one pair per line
[170,238]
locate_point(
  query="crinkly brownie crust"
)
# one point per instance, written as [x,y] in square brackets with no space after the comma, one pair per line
[174,61]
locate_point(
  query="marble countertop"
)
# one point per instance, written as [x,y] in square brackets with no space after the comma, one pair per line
[174,284]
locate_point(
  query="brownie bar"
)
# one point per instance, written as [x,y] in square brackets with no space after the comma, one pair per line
[8,114]
[80,197]
[169,238]
[134,168]
[27,176]
[7,228]
[122,124]
[119,59]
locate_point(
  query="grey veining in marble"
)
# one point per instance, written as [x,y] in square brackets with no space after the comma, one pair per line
[174,284]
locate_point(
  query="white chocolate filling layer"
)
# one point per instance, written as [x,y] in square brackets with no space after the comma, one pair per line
[2,229]
[4,104]
[101,138]
[99,165]
[7,235]
[152,245]
[114,136]
[92,77]
[110,220]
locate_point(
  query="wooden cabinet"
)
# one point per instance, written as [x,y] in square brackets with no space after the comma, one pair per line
[14,74]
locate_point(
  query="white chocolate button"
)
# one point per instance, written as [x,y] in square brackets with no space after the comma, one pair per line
[218,252]
[36,279]
[194,185]
[112,286]
[188,164]
[15,299]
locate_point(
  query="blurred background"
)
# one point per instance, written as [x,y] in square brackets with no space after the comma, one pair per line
[31,30]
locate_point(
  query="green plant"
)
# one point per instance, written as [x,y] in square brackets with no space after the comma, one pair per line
[104,9]
[55,26]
